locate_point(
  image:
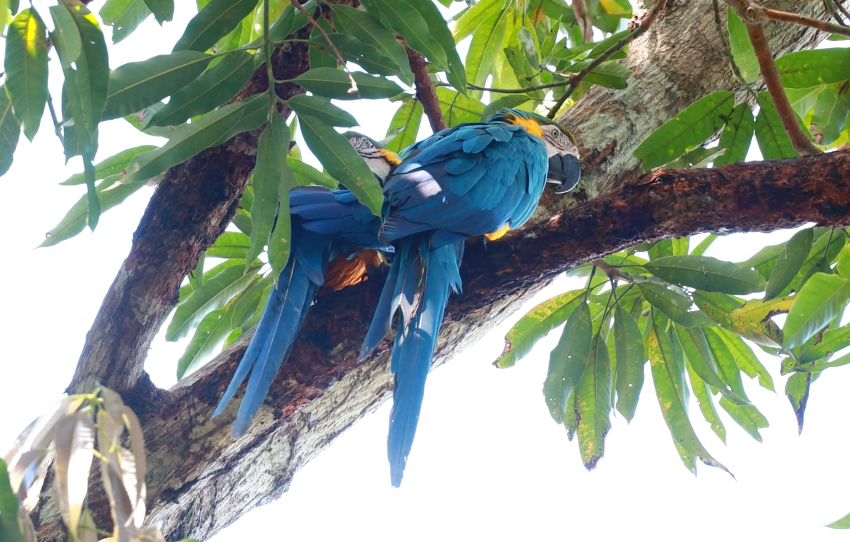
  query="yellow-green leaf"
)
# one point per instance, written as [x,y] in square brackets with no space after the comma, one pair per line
[26,69]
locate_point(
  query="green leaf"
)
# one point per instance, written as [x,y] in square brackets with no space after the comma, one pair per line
[789,262]
[110,192]
[535,325]
[820,300]
[10,132]
[593,403]
[567,361]
[334,83]
[407,21]
[803,99]
[706,273]
[290,21]
[609,75]
[65,35]
[811,68]
[213,22]
[506,101]
[369,30]
[671,402]
[770,133]
[457,108]
[528,48]
[473,17]
[272,181]
[631,357]
[699,358]
[124,16]
[843,523]
[674,305]
[93,201]
[797,390]
[212,129]
[213,295]
[843,265]
[831,107]
[695,124]
[824,345]
[487,43]
[213,88]
[136,85]
[319,54]
[230,244]
[720,308]
[353,50]
[26,69]
[163,10]
[306,174]
[342,162]
[321,109]
[742,48]
[706,404]
[737,135]
[745,359]
[210,332]
[9,528]
[116,163]
[405,125]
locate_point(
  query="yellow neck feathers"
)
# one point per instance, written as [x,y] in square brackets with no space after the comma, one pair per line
[390,156]
[531,126]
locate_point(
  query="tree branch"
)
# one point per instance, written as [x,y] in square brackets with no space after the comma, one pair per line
[425,92]
[583,20]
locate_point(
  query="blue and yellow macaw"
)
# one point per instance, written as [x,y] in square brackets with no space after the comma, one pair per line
[470,180]
[334,240]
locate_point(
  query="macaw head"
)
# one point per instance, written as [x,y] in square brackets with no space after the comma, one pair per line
[564,168]
[380,160]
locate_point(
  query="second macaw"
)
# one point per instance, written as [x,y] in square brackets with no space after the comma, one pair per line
[470,180]
[334,238]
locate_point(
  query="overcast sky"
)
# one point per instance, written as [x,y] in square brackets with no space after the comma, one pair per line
[488,462]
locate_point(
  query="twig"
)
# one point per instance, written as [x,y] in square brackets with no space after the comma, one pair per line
[576,78]
[336,52]
[57,129]
[583,19]
[612,272]
[747,11]
[776,15]
[425,92]
[727,49]
[519,90]
[830,6]
[841,9]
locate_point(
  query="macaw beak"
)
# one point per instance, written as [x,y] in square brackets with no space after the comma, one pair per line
[565,171]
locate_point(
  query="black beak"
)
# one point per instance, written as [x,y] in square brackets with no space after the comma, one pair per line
[565,171]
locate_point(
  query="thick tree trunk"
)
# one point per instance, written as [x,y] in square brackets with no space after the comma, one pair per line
[200,479]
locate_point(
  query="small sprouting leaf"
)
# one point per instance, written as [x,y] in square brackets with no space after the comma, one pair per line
[831,108]
[212,129]
[306,174]
[213,295]
[230,244]
[110,192]
[110,166]
[342,162]
[593,403]
[321,109]
[26,69]
[407,21]
[695,124]
[706,273]
[136,85]
[457,108]
[821,299]
[334,83]
[163,10]
[487,43]
[10,132]
[213,22]
[631,357]
[369,30]
[214,87]
[737,135]
[405,125]
[535,325]
[745,359]
[789,262]
[742,48]
[797,390]
[124,16]
[567,361]
[770,133]
[674,305]
[812,68]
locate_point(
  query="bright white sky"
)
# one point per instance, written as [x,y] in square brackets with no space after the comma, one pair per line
[488,461]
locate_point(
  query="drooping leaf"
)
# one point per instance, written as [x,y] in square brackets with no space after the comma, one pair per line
[742,48]
[487,43]
[706,404]
[405,124]
[699,358]
[210,332]
[674,305]
[92,198]
[66,35]
[737,135]
[631,357]
[821,299]
[26,69]
[404,18]
[110,166]
[695,124]
[124,16]
[567,362]
[745,359]
[163,10]
[10,132]
[342,162]
[365,27]
[210,130]
[593,403]
[773,140]
[213,88]
[706,273]
[811,68]
[824,345]
[792,257]
[321,109]
[230,244]
[214,21]
[334,83]
[797,390]
[136,85]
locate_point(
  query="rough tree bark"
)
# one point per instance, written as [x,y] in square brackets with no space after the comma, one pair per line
[200,479]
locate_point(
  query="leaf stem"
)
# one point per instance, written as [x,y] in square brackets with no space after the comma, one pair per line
[267,51]
[57,127]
